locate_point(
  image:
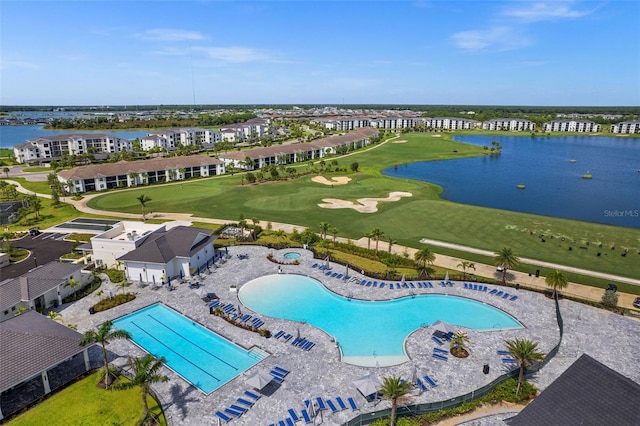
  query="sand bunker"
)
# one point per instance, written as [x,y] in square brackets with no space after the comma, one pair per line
[400,141]
[363,205]
[436,136]
[338,180]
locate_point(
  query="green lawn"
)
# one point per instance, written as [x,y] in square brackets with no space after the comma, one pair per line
[424,215]
[83,403]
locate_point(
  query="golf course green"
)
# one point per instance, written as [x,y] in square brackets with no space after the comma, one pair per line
[423,215]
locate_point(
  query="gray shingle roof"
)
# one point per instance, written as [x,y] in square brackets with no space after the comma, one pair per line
[587,393]
[31,343]
[161,247]
[38,281]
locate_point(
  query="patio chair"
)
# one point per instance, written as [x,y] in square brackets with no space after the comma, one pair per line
[286,337]
[223,416]
[281,370]
[411,285]
[321,405]
[341,403]
[305,416]
[438,356]
[505,295]
[294,415]
[438,341]
[238,408]
[509,360]
[422,386]
[332,406]
[279,334]
[352,404]
[429,380]
[245,402]
[308,346]
[502,352]
[234,413]
[252,395]
[381,285]
[439,350]
[514,297]
[494,291]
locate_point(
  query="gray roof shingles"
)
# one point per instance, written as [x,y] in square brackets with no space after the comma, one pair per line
[587,393]
[31,343]
[161,247]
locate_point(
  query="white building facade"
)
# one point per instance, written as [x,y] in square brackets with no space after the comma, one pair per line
[48,148]
[510,124]
[571,126]
[626,127]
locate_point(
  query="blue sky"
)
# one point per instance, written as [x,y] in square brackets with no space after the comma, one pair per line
[329,52]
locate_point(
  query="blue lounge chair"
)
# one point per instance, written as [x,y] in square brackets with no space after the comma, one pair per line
[277,374]
[352,404]
[430,381]
[332,406]
[398,285]
[438,341]
[327,273]
[245,402]
[375,284]
[341,403]
[494,291]
[439,350]
[499,293]
[321,405]
[505,295]
[339,276]
[238,408]
[245,318]
[315,265]
[335,274]
[281,423]
[514,297]
[293,415]
[279,334]
[430,285]
[234,316]
[289,421]
[234,413]
[405,285]
[411,285]
[302,342]
[223,416]
[286,337]
[281,370]
[381,285]
[368,284]
[277,379]
[475,286]
[258,324]
[305,416]
[438,356]
[308,346]
[508,360]
[502,352]
[252,395]
[419,284]
[466,285]
[423,387]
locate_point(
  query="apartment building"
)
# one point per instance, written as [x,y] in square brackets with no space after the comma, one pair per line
[451,123]
[510,124]
[171,139]
[48,148]
[571,126]
[626,127]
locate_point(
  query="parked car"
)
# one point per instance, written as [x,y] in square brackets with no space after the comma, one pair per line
[34,231]
[636,302]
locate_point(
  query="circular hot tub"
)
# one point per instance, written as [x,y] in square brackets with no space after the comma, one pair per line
[292,255]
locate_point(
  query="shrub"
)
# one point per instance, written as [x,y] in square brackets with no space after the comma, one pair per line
[610,299]
[114,275]
[109,303]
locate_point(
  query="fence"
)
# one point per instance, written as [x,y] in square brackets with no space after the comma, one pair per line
[419,409]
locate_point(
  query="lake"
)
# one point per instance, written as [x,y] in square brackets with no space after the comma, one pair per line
[15,135]
[554,184]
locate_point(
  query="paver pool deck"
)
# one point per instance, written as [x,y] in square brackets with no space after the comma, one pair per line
[610,338]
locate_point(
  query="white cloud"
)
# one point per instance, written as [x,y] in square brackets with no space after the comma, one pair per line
[500,38]
[233,54]
[166,34]
[540,11]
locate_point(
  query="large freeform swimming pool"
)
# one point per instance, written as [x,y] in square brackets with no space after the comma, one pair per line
[201,357]
[369,333]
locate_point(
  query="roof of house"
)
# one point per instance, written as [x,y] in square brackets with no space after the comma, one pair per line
[587,393]
[37,281]
[31,343]
[142,166]
[161,247]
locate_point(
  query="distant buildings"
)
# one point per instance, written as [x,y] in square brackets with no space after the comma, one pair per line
[510,124]
[628,127]
[571,126]
[451,123]
[47,148]
[171,139]
[251,129]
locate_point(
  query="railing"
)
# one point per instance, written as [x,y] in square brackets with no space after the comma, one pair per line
[419,409]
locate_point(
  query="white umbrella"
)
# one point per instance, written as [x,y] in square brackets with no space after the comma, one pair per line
[446,277]
[414,374]
[443,326]
[259,379]
[346,272]
[368,384]
[402,279]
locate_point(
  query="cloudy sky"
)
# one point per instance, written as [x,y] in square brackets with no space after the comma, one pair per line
[91,52]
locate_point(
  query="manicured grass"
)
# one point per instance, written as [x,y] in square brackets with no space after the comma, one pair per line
[37,169]
[424,215]
[83,403]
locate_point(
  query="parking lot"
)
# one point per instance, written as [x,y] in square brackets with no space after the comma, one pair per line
[44,248]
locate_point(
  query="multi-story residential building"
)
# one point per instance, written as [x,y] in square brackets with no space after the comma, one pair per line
[571,126]
[342,124]
[629,127]
[395,122]
[451,123]
[99,177]
[256,158]
[253,128]
[170,139]
[511,124]
[48,148]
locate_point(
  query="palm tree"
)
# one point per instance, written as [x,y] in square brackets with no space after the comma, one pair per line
[103,335]
[423,259]
[507,260]
[459,340]
[279,234]
[143,199]
[526,353]
[324,228]
[464,265]
[377,233]
[334,232]
[73,284]
[145,373]
[396,390]
[36,205]
[369,235]
[391,243]
[6,171]
[557,280]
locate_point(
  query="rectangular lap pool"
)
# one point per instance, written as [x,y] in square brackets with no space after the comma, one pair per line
[200,356]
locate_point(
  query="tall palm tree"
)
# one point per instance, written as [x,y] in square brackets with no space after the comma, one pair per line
[507,260]
[464,265]
[324,228]
[143,199]
[558,280]
[145,374]
[279,234]
[526,353]
[6,171]
[103,335]
[424,258]
[396,390]
[73,284]
[369,235]
[334,233]
[377,233]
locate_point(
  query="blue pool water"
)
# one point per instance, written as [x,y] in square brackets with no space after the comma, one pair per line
[369,333]
[200,356]
[292,255]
